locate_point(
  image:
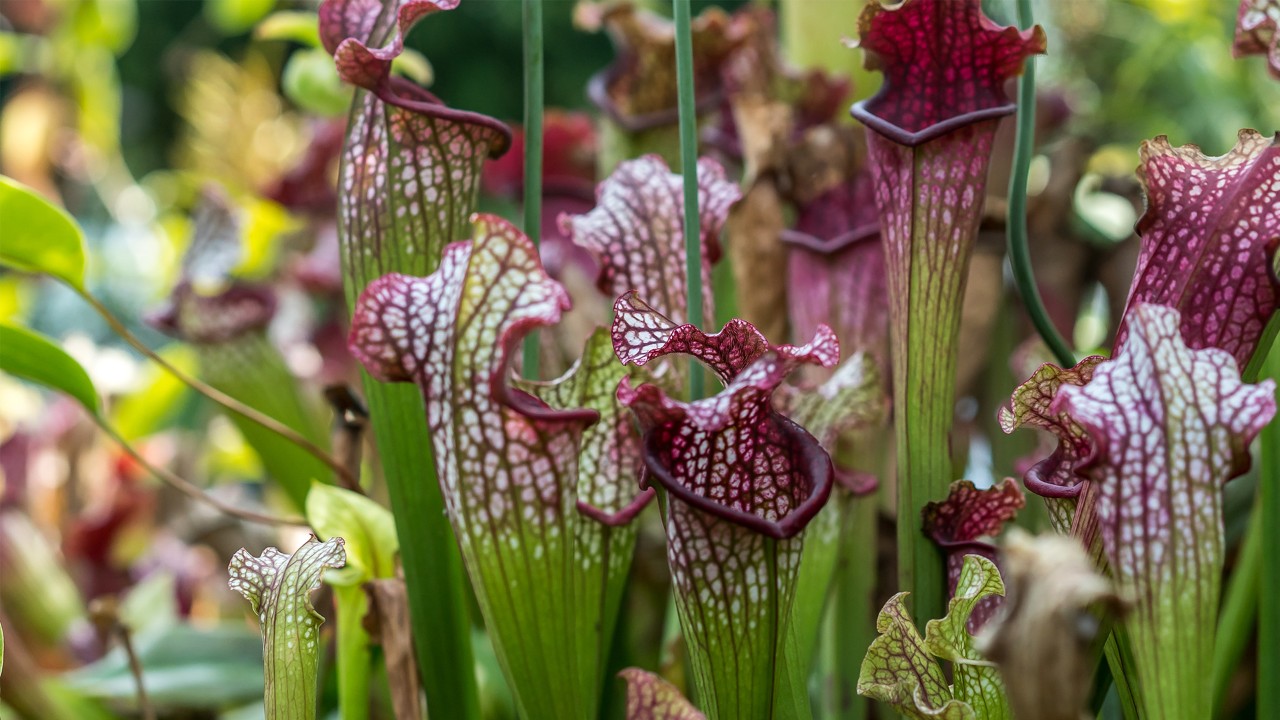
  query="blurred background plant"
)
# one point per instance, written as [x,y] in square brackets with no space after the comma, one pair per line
[127,112]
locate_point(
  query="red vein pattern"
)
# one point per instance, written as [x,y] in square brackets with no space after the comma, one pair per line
[507,463]
[411,166]
[932,126]
[945,65]
[742,480]
[1171,425]
[278,588]
[1208,235]
[966,523]
[649,697]
[836,268]
[636,231]
[1258,32]
[1054,478]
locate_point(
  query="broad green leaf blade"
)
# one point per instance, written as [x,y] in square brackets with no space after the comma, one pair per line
[898,670]
[39,237]
[949,639]
[368,529]
[31,356]
[278,588]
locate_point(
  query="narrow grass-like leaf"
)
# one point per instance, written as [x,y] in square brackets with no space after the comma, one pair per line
[31,356]
[932,126]
[742,483]
[1211,226]
[1171,425]
[649,697]
[507,463]
[278,588]
[39,237]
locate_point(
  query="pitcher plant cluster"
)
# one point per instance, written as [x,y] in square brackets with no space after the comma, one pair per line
[755,339]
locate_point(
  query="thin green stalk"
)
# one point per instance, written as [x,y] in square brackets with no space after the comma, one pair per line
[1239,611]
[854,622]
[689,169]
[1242,603]
[1019,255]
[354,655]
[533,99]
[1268,515]
[433,570]
[213,393]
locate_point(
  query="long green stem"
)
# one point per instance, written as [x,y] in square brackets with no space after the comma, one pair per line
[1268,517]
[1239,610]
[533,99]
[1243,602]
[854,620]
[689,169]
[354,656]
[1019,255]
[214,394]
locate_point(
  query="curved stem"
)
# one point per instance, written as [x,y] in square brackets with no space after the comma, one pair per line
[689,171]
[187,488]
[533,100]
[1016,227]
[218,396]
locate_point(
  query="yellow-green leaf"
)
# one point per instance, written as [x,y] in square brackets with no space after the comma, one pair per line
[39,237]
[368,529]
[32,356]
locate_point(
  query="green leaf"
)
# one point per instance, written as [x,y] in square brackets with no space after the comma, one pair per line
[899,671]
[368,529]
[278,588]
[294,25]
[976,682]
[31,356]
[1,649]
[182,667]
[39,237]
[236,16]
[311,81]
